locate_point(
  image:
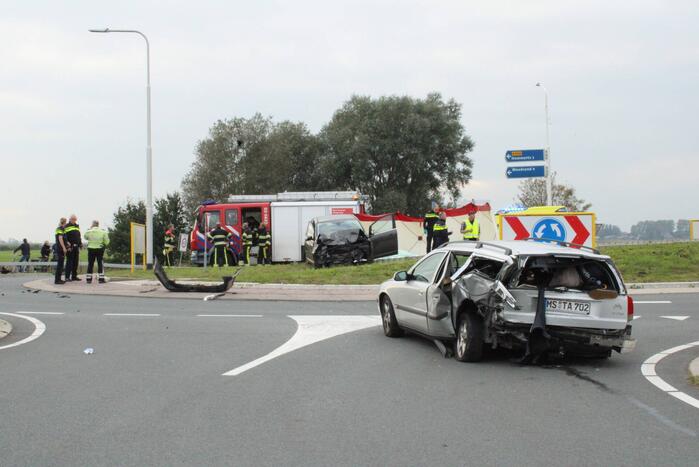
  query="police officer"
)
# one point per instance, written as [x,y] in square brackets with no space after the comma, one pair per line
[470,228]
[97,241]
[264,242]
[75,242]
[169,245]
[440,234]
[221,238]
[247,239]
[61,250]
[428,223]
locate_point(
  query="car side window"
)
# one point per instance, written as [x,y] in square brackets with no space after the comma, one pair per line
[425,270]
[211,219]
[384,224]
[231,217]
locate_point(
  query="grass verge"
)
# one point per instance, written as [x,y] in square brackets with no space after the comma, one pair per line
[663,262]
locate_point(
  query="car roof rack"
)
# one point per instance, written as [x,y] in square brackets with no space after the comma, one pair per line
[507,251]
[562,243]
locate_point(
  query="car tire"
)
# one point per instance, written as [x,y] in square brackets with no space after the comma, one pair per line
[388,318]
[468,346]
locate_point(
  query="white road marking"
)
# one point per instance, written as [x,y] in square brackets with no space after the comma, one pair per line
[676,318]
[131,314]
[312,329]
[648,371]
[636,317]
[39,328]
[40,312]
[653,302]
[213,296]
[230,316]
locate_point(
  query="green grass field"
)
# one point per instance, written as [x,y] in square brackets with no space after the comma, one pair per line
[662,262]
[666,262]
[6,255]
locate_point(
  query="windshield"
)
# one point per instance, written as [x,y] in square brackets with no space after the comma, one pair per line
[332,228]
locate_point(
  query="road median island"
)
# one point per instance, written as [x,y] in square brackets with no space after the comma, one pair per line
[694,371]
[5,328]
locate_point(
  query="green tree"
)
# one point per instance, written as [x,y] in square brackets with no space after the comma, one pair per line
[653,230]
[168,210]
[119,249]
[532,192]
[400,151]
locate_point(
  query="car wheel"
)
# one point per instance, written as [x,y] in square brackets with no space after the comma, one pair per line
[388,318]
[468,346]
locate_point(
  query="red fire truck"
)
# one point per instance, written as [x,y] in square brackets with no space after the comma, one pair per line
[286,216]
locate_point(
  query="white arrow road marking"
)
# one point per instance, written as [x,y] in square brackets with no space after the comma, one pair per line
[39,328]
[676,318]
[648,370]
[655,302]
[312,329]
[636,317]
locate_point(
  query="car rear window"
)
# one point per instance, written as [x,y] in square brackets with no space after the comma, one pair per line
[582,274]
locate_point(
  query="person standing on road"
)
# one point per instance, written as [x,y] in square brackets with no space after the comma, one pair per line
[440,234]
[170,246]
[25,250]
[470,228]
[428,223]
[221,238]
[61,250]
[264,242]
[75,242]
[97,241]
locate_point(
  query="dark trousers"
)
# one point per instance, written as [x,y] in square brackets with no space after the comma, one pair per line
[60,261]
[429,242]
[263,255]
[219,257]
[72,261]
[92,255]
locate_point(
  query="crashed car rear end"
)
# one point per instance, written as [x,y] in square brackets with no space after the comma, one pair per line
[562,302]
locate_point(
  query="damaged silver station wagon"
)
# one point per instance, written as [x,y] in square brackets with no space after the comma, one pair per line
[535,296]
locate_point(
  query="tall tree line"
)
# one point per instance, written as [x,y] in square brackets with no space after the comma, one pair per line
[400,151]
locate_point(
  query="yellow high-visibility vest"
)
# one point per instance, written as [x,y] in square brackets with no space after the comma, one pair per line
[475,229]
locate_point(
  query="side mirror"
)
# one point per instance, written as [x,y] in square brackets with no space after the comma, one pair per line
[400,276]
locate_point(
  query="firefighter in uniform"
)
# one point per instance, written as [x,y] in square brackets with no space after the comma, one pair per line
[264,242]
[428,223]
[97,241]
[470,228]
[169,245]
[247,238]
[221,238]
[440,234]
[61,250]
[75,242]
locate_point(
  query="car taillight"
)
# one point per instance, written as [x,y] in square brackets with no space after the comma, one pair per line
[629,308]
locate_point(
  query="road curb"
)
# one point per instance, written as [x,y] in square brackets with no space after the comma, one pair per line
[694,370]
[5,328]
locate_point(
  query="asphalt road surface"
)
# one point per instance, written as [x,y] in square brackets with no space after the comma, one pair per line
[154,390]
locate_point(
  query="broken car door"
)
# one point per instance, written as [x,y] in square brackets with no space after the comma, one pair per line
[384,237]
[439,302]
[411,297]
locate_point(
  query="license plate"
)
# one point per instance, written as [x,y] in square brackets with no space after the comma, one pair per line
[567,306]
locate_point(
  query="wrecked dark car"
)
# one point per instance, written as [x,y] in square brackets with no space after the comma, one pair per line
[540,298]
[341,239]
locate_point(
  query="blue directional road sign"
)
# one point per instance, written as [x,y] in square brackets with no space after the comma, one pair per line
[526,171]
[524,155]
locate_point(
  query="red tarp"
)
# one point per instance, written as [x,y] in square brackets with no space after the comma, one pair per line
[462,211]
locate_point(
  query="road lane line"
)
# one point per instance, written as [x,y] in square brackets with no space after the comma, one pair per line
[648,371]
[230,316]
[676,318]
[39,328]
[40,312]
[312,329]
[652,302]
[131,314]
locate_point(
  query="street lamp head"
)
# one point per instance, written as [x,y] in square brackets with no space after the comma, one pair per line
[99,30]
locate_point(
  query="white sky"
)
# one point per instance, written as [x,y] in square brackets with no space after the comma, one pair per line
[622,76]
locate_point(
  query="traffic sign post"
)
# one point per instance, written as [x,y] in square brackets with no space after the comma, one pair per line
[525,155]
[526,171]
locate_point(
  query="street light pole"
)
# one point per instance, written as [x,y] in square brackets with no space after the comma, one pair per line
[149,150]
[549,188]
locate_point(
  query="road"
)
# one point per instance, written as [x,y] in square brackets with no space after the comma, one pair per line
[154,391]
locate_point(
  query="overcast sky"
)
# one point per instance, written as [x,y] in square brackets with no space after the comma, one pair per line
[623,80]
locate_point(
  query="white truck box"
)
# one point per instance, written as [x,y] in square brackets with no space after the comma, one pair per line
[290,220]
